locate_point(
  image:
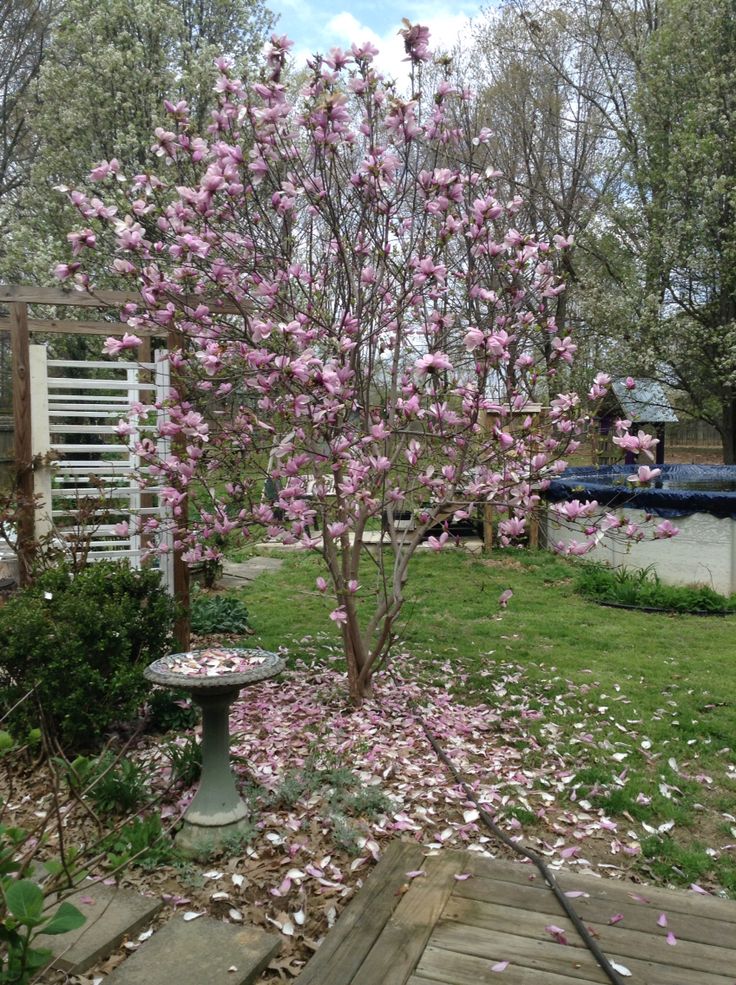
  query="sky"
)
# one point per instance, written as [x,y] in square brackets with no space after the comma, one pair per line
[318,25]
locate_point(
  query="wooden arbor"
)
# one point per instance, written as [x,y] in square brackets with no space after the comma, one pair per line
[22,325]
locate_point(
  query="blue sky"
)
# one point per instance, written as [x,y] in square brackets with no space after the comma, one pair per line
[318,25]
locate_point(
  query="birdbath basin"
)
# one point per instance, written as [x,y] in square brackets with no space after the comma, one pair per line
[214,679]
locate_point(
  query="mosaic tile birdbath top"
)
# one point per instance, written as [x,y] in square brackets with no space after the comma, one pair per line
[214,678]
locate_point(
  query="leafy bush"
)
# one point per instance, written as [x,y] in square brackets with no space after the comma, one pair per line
[218,614]
[81,643]
[170,709]
[115,786]
[141,842]
[22,916]
[643,589]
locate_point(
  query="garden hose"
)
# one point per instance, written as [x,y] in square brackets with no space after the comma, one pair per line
[585,935]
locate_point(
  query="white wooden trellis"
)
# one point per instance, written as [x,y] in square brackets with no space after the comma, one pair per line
[74,418]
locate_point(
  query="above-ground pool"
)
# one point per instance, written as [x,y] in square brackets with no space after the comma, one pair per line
[699,499]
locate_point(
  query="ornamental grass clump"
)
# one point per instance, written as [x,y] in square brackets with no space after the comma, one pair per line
[354,321]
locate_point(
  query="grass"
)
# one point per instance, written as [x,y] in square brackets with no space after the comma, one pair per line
[660,687]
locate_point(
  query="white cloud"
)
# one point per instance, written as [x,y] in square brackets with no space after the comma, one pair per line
[448,24]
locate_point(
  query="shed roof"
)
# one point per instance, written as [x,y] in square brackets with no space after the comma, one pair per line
[647,403]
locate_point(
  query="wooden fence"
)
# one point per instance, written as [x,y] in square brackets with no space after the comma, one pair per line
[693,434]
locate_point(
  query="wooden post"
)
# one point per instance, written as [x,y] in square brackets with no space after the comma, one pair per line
[487,528]
[20,346]
[40,441]
[182,629]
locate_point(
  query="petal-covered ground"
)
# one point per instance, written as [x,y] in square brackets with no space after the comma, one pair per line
[331,784]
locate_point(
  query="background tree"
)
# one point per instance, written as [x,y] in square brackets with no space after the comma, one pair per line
[24,26]
[108,67]
[657,277]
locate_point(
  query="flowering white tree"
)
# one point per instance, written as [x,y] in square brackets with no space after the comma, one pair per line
[389,328]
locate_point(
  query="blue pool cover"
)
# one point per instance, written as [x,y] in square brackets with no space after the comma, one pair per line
[679,491]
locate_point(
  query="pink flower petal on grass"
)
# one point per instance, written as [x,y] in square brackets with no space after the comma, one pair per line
[662,920]
[415,873]
[500,966]
[616,918]
[671,939]
[462,876]
[638,899]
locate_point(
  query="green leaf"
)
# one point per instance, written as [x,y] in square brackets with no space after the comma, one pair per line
[25,901]
[37,957]
[6,741]
[66,918]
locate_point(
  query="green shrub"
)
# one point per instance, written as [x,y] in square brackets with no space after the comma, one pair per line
[643,589]
[24,914]
[81,643]
[115,786]
[218,614]
[170,709]
[142,842]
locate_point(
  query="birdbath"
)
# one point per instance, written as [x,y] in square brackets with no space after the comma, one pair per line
[214,679]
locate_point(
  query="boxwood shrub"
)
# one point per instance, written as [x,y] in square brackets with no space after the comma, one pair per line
[81,643]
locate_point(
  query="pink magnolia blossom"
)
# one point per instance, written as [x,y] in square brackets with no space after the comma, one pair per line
[644,475]
[114,346]
[665,530]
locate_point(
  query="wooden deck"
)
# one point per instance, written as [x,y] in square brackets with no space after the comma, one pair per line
[435,929]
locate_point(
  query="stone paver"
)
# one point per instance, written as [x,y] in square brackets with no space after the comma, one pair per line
[112,915]
[198,952]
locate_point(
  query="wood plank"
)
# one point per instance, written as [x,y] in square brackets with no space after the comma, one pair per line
[399,947]
[350,940]
[547,955]
[637,916]
[538,956]
[77,326]
[614,890]
[617,939]
[451,968]
[29,294]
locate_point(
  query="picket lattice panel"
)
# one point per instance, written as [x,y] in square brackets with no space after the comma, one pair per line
[82,412]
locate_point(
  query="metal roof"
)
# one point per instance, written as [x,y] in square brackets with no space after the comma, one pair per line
[647,403]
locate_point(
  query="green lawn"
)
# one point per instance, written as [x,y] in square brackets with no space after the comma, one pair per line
[658,691]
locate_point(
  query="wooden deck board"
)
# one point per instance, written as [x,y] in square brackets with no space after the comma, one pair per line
[348,943]
[675,900]
[636,916]
[450,968]
[441,931]
[618,938]
[399,947]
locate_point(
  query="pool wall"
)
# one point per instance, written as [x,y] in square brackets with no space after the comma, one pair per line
[704,551]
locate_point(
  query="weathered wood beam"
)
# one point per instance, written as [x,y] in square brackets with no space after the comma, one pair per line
[10,293]
[71,326]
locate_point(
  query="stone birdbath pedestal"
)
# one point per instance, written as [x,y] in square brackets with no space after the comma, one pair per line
[214,679]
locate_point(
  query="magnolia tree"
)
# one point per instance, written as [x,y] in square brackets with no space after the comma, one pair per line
[388,331]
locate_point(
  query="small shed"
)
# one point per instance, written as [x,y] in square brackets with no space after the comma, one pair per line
[645,404]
